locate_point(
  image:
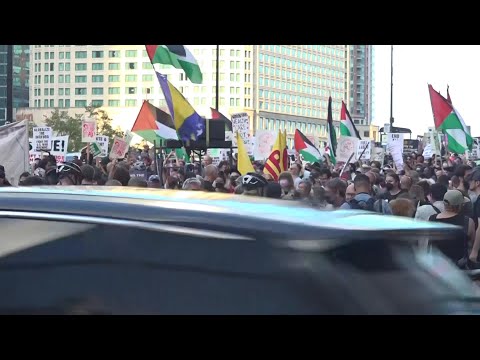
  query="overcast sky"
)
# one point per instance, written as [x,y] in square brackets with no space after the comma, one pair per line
[414,66]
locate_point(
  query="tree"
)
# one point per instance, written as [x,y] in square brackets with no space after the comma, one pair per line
[64,124]
[104,124]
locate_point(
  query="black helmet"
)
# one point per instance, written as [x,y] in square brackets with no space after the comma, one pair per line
[253,181]
[70,170]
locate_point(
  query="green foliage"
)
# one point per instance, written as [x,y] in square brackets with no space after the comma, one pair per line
[64,124]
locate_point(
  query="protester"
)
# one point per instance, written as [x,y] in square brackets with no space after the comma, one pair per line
[474,187]
[406,183]
[172,183]
[416,195]
[33,181]
[69,173]
[273,190]
[350,192]
[254,184]
[192,184]
[363,200]
[23,176]
[392,184]
[402,207]
[455,249]
[295,170]
[335,192]
[324,175]
[219,185]
[88,174]
[137,182]
[304,191]
[288,188]
[154,182]
[211,173]
[435,206]
[121,174]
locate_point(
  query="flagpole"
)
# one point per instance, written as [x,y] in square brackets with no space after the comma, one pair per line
[391,87]
[217,78]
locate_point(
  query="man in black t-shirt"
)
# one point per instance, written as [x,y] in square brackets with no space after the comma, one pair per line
[474,186]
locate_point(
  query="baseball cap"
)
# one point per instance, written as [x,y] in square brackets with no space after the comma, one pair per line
[454,198]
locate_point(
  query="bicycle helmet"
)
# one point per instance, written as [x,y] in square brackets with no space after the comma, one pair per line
[70,170]
[253,181]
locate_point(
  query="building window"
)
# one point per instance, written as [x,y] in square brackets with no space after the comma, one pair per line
[51,66]
[114,103]
[131,53]
[97,54]
[67,79]
[97,103]
[45,103]
[113,90]
[130,78]
[81,67]
[113,78]
[45,92]
[114,66]
[146,66]
[67,56]
[67,66]
[130,66]
[80,79]
[80,91]
[97,66]
[47,56]
[60,79]
[114,53]
[80,54]
[52,79]
[67,103]
[60,103]
[130,90]
[61,67]
[130,103]
[52,91]
[45,67]
[80,103]
[148,90]
[97,78]
[232,102]
[366,134]
[67,92]
[97,91]
[147,77]
[60,91]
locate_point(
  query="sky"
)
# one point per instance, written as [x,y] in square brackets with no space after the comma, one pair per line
[416,66]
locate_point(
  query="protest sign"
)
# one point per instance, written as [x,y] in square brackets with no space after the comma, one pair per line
[264,141]
[89,130]
[59,148]
[410,146]
[378,154]
[395,147]
[41,138]
[345,147]
[364,149]
[95,149]
[218,155]
[241,124]
[119,148]
[102,142]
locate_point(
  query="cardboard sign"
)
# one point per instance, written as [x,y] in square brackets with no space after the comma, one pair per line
[264,141]
[428,152]
[58,148]
[218,155]
[102,142]
[345,147]
[241,123]
[378,154]
[364,145]
[395,147]
[41,138]
[89,130]
[395,140]
[119,148]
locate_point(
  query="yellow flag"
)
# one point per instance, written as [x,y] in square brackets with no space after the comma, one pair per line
[273,165]
[244,164]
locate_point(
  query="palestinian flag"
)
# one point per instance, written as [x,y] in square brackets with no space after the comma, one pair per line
[347,126]
[155,125]
[448,120]
[332,136]
[306,148]
[177,56]
[217,115]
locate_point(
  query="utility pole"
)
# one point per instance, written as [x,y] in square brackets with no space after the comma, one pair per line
[391,87]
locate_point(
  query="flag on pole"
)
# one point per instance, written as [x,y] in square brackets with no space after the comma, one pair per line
[332,136]
[347,126]
[448,120]
[178,56]
[283,147]
[273,165]
[244,165]
[449,99]
[217,115]
[305,147]
[188,123]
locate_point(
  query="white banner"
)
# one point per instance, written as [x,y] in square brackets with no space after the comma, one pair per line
[345,147]
[241,123]
[14,148]
[41,138]
[364,145]
[264,141]
[58,147]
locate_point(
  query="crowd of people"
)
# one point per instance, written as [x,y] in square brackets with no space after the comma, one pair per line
[446,192]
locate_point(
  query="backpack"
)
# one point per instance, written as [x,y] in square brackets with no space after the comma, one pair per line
[437,210]
[362,205]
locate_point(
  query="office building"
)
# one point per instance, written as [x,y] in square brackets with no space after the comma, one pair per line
[361,84]
[279,86]
[14,69]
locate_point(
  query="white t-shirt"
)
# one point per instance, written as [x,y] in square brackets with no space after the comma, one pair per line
[296,182]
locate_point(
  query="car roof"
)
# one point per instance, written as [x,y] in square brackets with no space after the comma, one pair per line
[135,203]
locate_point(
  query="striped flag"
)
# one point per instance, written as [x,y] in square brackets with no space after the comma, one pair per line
[273,165]
[347,126]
